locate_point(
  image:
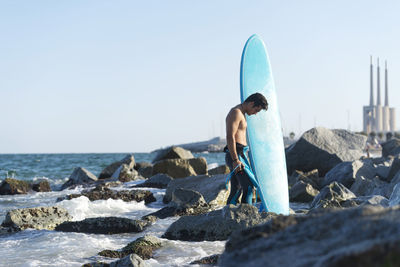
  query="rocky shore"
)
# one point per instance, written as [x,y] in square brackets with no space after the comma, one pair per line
[349,213]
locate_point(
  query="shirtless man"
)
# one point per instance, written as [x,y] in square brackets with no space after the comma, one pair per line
[236,126]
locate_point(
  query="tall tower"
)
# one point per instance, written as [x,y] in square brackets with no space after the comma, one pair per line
[386,112]
[378,121]
[369,111]
[371,74]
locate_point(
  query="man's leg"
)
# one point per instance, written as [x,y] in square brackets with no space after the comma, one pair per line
[247,187]
[235,186]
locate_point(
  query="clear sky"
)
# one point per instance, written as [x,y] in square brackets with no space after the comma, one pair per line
[134,76]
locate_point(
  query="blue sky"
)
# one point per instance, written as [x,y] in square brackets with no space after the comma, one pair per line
[133,76]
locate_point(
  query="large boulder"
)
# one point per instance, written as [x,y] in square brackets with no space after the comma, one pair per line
[347,172]
[157,181]
[223,169]
[180,168]
[12,186]
[311,177]
[143,247]
[216,225]
[79,176]
[36,218]
[108,171]
[367,200]
[103,193]
[391,147]
[331,196]
[394,169]
[104,225]
[212,188]
[174,152]
[302,192]
[365,236]
[322,149]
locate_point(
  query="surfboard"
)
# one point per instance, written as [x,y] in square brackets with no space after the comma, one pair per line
[264,131]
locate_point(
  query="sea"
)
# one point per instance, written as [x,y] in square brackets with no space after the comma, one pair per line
[52,248]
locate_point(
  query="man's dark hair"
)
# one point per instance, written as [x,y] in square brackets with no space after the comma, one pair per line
[258,99]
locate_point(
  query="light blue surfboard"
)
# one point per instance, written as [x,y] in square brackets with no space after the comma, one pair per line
[264,131]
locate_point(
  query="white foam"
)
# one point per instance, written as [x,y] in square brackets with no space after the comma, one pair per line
[81,208]
[212,166]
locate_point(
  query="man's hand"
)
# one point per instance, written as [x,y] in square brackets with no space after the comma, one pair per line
[240,165]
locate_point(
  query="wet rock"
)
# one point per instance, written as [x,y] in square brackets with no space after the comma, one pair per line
[210,260]
[143,247]
[131,260]
[212,188]
[365,236]
[223,169]
[322,149]
[79,176]
[104,193]
[302,192]
[391,147]
[104,225]
[8,230]
[174,152]
[157,181]
[36,218]
[347,172]
[180,168]
[41,186]
[12,186]
[332,196]
[216,225]
[112,168]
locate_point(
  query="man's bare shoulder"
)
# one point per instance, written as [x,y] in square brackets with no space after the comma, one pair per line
[234,114]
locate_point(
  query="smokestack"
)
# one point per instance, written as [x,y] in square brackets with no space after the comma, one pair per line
[371,74]
[386,86]
[378,86]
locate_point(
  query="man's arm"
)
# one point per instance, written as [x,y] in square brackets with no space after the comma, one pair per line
[232,126]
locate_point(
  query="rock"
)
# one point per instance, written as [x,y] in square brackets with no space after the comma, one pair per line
[176,168]
[8,230]
[367,200]
[111,169]
[347,172]
[223,169]
[199,165]
[210,260]
[391,147]
[41,186]
[79,176]
[36,218]
[126,174]
[104,225]
[395,196]
[311,177]
[146,172]
[216,225]
[12,186]
[373,186]
[212,188]
[364,236]
[157,181]
[104,193]
[382,171]
[331,196]
[142,164]
[143,247]
[394,169]
[131,260]
[302,192]
[174,152]
[322,149]
[180,168]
